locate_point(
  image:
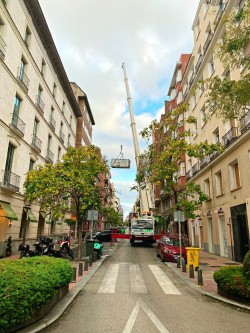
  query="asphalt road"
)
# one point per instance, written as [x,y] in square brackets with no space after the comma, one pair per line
[133,291]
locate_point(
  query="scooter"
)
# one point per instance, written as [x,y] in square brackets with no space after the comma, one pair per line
[62,248]
[98,249]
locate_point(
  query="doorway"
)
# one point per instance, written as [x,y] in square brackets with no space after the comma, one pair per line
[223,237]
[210,235]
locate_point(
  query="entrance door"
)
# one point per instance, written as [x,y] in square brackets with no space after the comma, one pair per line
[240,231]
[210,235]
[223,237]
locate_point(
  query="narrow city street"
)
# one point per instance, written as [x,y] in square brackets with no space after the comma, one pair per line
[133,291]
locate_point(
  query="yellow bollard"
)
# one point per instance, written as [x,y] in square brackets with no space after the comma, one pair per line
[193,257]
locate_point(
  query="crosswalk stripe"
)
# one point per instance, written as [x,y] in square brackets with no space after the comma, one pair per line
[165,283]
[109,282]
[136,280]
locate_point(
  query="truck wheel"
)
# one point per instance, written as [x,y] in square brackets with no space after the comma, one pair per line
[131,242]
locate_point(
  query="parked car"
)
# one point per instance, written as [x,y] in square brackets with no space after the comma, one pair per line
[168,248]
[103,235]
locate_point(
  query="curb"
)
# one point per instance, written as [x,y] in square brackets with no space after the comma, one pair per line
[198,288]
[59,309]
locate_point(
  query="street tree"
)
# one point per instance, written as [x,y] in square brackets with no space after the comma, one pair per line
[160,163]
[227,98]
[112,216]
[70,185]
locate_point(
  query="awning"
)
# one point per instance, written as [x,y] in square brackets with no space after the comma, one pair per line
[32,216]
[8,210]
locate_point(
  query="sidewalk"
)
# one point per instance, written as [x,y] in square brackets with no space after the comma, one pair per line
[208,263]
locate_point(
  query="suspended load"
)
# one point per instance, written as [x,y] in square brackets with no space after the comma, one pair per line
[120,161]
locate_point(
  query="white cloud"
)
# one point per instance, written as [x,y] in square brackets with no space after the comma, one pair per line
[94,37]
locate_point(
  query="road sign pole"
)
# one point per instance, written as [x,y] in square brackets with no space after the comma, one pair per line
[179,225]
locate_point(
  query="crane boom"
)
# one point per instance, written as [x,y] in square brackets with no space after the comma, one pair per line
[144,193]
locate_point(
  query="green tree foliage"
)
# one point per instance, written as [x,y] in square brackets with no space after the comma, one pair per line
[71,184]
[228,99]
[113,216]
[160,162]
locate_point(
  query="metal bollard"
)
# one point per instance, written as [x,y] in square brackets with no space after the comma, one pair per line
[90,260]
[200,278]
[184,269]
[191,271]
[178,262]
[86,264]
[80,270]
[74,275]
[94,256]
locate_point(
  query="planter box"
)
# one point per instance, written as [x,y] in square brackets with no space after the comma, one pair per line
[40,313]
[238,298]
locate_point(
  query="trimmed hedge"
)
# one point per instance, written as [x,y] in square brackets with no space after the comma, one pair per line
[246,263]
[26,285]
[233,281]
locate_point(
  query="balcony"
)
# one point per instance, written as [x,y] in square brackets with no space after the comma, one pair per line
[23,78]
[10,180]
[17,124]
[204,161]
[61,136]
[36,143]
[2,48]
[49,156]
[195,169]
[230,136]
[245,122]
[189,175]
[214,155]
[219,14]
[52,123]
[207,42]
[40,104]
[197,66]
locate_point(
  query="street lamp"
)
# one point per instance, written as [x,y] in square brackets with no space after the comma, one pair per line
[26,209]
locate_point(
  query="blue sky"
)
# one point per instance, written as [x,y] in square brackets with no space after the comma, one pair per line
[94,38]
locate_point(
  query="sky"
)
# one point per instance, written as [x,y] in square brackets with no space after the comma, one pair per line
[94,38]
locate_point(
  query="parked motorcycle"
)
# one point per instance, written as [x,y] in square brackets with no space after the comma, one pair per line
[62,248]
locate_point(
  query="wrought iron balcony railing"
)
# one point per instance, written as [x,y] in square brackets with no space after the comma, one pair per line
[189,175]
[195,169]
[191,79]
[17,124]
[199,61]
[36,142]
[2,48]
[219,14]
[62,136]
[245,122]
[40,103]
[204,161]
[10,180]
[49,156]
[23,78]
[230,136]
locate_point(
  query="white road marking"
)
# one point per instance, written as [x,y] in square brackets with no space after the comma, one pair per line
[109,282]
[137,283]
[132,318]
[165,283]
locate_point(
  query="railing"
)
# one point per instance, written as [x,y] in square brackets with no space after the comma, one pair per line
[2,48]
[10,180]
[52,122]
[49,156]
[214,155]
[185,92]
[219,13]
[18,124]
[207,42]
[195,169]
[245,122]
[36,142]
[61,135]
[204,161]
[199,61]
[21,76]
[189,175]
[40,103]
[230,136]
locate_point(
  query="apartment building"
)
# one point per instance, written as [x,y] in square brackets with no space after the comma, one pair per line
[222,225]
[86,121]
[38,116]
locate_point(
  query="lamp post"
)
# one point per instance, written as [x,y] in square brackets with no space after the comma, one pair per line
[26,210]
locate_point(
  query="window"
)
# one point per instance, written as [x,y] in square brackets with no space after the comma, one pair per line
[218,184]
[202,117]
[59,154]
[207,187]
[69,138]
[54,90]
[36,122]
[31,166]
[27,37]
[17,103]
[193,102]
[70,120]
[63,107]
[49,142]
[197,29]
[182,171]
[43,67]
[22,68]
[9,159]
[216,136]
[179,97]
[234,175]
[178,76]
[211,67]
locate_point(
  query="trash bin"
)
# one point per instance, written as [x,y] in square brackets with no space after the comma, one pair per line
[90,248]
[193,257]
